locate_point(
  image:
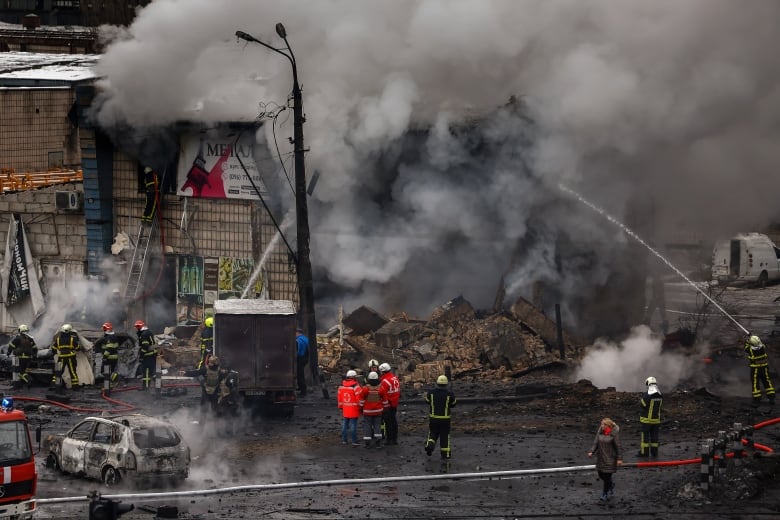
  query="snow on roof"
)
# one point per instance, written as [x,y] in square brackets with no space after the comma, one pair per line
[25,67]
[249,306]
[47,29]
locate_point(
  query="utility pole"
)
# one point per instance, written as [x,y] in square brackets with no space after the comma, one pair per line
[305,282]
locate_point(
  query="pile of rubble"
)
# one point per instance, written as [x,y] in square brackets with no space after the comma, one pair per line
[456,339]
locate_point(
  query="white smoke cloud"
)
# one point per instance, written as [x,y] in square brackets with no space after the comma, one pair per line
[672,101]
[627,364]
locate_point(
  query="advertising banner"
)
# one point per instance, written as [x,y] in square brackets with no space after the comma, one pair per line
[220,165]
[20,290]
[18,279]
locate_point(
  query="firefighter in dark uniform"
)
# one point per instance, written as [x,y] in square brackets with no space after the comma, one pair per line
[441,401]
[206,341]
[150,185]
[108,346]
[65,344]
[759,370]
[650,419]
[147,353]
[23,347]
[218,389]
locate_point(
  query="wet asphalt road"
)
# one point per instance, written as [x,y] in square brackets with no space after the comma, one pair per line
[306,448]
[495,437]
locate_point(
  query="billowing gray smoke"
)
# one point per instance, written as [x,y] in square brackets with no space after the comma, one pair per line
[676,102]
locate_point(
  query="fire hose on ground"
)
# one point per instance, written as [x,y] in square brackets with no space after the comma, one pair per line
[705,460]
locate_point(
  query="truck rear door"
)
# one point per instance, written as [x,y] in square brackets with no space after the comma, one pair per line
[261,348]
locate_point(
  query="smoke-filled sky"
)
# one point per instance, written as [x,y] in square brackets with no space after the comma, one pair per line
[672,103]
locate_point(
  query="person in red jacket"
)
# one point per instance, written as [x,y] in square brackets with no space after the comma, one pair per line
[349,406]
[392,385]
[373,401]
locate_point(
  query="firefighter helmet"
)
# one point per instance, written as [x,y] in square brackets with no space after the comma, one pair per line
[373,376]
[650,381]
[754,340]
[209,322]
[371,364]
[139,324]
[148,169]
[351,374]
[67,328]
[24,328]
[107,327]
[384,367]
[442,380]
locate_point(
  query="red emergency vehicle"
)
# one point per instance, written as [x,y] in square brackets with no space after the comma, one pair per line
[18,475]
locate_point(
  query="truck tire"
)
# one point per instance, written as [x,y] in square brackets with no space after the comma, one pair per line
[763,278]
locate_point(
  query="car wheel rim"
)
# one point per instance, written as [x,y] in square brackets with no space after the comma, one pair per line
[111,478]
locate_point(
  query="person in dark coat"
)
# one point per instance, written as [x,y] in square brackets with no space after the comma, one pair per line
[609,455]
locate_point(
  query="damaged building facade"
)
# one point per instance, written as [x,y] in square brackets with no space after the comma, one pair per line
[79,196]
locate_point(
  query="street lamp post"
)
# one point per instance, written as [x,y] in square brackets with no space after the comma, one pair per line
[305,284]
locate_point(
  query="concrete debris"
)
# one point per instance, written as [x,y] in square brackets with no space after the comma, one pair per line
[364,320]
[472,344]
[500,346]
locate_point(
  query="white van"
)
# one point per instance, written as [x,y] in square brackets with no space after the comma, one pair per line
[747,257]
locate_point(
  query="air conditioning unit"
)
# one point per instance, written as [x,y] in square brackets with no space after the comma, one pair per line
[68,200]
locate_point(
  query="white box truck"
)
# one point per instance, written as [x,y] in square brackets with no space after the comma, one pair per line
[746,258]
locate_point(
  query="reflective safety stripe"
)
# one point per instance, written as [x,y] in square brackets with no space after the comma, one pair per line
[7,474]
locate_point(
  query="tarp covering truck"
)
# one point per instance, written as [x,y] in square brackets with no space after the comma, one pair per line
[256,338]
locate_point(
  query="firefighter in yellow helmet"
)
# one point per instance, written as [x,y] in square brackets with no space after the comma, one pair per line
[440,400]
[206,341]
[758,361]
[65,344]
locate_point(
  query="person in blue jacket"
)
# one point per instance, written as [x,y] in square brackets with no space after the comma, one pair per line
[301,358]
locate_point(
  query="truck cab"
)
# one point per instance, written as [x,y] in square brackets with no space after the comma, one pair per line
[18,475]
[256,338]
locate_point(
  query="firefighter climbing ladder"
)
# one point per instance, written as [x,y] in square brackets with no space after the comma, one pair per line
[139,263]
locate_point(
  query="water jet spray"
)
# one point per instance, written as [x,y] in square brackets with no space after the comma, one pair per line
[636,237]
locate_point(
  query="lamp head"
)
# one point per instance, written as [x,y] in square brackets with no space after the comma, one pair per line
[244,36]
[281,31]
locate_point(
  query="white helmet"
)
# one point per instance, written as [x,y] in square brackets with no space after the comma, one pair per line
[384,367]
[650,381]
[67,328]
[351,373]
[373,376]
[442,380]
[372,363]
[754,340]
[24,328]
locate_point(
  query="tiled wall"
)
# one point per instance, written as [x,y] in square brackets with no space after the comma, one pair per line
[34,124]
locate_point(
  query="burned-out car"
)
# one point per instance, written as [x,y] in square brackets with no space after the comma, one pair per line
[136,448]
